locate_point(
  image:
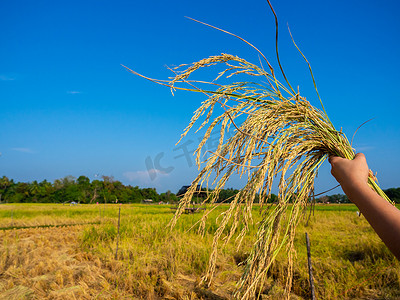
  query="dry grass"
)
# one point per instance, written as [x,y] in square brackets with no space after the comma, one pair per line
[37,264]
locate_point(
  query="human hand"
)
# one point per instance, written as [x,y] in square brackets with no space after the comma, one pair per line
[350,173]
[383,216]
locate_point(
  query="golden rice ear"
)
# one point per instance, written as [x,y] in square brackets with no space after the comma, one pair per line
[277,134]
[274,137]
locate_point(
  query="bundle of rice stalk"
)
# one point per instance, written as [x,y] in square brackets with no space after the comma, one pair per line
[278,135]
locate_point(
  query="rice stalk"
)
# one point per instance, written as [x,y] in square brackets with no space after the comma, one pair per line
[278,135]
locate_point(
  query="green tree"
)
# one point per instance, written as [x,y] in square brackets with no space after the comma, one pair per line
[168,197]
[66,190]
[21,194]
[34,191]
[45,191]
[393,194]
[84,188]
[150,193]
[108,188]
[97,187]
[4,184]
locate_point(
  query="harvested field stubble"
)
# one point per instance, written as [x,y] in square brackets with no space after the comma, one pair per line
[47,263]
[77,262]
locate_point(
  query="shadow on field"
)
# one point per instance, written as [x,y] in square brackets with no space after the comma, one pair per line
[207,294]
[367,252]
[354,255]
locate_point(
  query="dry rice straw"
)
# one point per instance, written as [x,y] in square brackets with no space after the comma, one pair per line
[279,135]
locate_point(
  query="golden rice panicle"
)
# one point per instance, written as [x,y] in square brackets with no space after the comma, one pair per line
[275,137]
[278,135]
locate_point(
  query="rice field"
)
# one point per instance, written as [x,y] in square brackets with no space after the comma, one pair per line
[73,255]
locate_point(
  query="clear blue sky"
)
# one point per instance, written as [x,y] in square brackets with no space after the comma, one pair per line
[69,108]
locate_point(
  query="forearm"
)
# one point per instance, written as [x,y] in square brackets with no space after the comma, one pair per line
[382,216]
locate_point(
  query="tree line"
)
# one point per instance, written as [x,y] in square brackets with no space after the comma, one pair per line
[392,193]
[109,190]
[81,189]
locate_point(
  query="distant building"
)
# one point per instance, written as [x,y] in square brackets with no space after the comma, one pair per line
[182,190]
[147,201]
[200,192]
